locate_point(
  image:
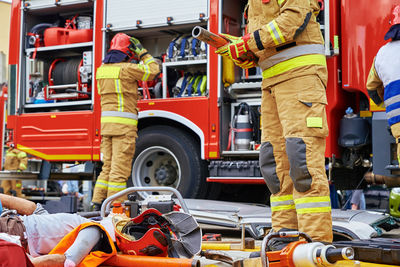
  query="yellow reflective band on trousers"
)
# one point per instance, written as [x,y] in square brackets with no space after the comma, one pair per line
[279,203]
[22,166]
[116,186]
[102,183]
[120,95]
[294,63]
[108,72]
[313,204]
[119,120]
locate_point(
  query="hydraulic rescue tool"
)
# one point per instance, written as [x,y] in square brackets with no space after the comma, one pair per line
[303,253]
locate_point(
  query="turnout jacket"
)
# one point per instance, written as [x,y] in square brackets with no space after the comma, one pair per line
[285,36]
[118,88]
[15,160]
[383,81]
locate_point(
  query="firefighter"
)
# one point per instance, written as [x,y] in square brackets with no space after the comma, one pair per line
[117,85]
[286,38]
[15,160]
[383,81]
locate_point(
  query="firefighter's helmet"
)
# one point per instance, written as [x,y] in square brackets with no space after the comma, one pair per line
[176,234]
[120,42]
[144,235]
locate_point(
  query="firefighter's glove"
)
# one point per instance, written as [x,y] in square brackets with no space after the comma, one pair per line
[245,64]
[136,46]
[237,47]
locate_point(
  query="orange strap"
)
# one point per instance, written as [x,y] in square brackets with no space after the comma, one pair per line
[95,258]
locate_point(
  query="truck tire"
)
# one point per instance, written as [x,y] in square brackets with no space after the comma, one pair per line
[166,156]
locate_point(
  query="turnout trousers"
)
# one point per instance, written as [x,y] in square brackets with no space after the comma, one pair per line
[292,160]
[15,185]
[117,153]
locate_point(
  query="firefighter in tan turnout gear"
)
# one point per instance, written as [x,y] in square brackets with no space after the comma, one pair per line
[15,160]
[117,85]
[287,40]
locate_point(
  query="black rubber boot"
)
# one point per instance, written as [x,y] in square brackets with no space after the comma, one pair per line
[96,206]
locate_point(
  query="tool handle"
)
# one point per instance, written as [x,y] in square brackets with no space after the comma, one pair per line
[218,41]
[336,254]
[209,37]
[105,207]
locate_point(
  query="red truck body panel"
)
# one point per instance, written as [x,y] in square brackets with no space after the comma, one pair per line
[359,27]
[364,25]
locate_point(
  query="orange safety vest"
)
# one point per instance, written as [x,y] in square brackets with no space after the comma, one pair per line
[95,258]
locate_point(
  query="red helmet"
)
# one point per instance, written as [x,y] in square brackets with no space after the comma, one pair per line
[121,43]
[396,15]
[144,235]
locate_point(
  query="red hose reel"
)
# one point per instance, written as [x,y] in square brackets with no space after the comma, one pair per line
[64,78]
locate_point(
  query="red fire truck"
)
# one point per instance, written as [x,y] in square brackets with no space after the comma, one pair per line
[189,118]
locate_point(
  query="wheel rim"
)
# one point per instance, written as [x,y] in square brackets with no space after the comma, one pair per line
[156,166]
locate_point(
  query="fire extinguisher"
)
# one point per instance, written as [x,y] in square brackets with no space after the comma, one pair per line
[244,128]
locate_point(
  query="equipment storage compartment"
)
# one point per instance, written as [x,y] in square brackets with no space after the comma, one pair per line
[57,69]
[123,14]
[182,59]
[41,4]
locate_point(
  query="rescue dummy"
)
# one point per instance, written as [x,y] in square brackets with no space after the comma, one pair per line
[71,240]
[117,85]
[383,81]
[15,160]
[286,38]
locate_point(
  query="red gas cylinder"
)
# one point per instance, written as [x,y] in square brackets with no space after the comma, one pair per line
[62,36]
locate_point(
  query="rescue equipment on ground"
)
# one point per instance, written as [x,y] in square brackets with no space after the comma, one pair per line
[144,235]
[375,250]
[301,253]
[244,128]
[128,260]
[152,233]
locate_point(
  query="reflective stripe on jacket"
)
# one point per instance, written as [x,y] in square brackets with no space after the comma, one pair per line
[285,36]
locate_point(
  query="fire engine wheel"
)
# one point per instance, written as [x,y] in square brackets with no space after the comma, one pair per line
[166,156]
